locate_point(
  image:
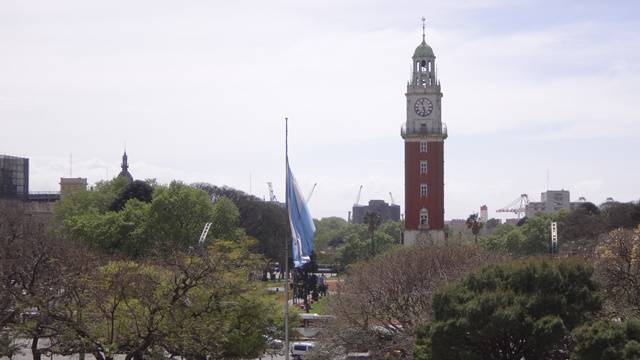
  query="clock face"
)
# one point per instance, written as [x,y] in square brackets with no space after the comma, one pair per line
[423,107]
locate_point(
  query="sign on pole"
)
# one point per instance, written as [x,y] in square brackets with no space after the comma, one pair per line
[554,238]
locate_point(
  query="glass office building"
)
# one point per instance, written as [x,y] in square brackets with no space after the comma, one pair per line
[14,177]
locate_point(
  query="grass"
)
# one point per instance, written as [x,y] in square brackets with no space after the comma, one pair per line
[320,306]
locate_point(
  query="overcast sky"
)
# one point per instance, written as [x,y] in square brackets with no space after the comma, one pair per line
[198,91]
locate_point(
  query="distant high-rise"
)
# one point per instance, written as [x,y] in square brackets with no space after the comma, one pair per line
[14,177]
[484,213]
[552,201]
[386,211]
[124,173]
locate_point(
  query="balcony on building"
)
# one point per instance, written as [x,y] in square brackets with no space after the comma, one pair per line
[424,130]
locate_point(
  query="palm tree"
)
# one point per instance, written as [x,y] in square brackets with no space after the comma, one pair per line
[374,220]
[474,225]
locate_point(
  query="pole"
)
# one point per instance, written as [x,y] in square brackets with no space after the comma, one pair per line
[286,244]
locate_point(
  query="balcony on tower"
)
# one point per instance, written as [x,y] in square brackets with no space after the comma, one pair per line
[419,130]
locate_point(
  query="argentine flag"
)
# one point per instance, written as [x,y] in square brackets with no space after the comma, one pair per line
[302,227]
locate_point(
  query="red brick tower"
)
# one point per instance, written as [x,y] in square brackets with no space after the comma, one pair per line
[424,135]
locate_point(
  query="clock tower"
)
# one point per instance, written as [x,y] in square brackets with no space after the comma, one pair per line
[424,135]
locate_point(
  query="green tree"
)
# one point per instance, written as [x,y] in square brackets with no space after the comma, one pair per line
[196,306]
[607,340]
[177,216]
[173,219]
[265,221]
[225,219]
[356,249]
[393,229]
[138,189]
[373,221]
[329,236]
[113,232]
[532,238]
[497,239]
[516,310]
[475,225]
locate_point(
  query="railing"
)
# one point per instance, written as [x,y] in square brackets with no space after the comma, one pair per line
[43,196]
[424,130]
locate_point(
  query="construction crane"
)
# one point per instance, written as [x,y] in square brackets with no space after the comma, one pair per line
[311,192]
[272,194]
[358,197]
[391,196]
[517,206]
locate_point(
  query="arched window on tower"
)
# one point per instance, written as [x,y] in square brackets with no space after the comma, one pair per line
[423,66]
[424,219]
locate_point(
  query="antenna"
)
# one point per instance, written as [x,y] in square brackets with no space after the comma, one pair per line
[71,165]
[547,179]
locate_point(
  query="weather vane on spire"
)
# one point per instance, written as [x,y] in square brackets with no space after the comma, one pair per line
[423,22]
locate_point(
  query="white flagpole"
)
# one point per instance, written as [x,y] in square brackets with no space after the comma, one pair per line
[286,244]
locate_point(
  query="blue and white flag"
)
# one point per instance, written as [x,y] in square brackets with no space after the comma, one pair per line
[302,227]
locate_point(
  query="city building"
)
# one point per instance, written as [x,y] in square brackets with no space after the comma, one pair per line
[424,135]
[484,214]
[124,173]
[69,185]
[37,206]
[386,211]
[14,177]
[552,201]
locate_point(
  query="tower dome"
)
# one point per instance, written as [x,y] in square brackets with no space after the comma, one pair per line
[125,168]
[423,51]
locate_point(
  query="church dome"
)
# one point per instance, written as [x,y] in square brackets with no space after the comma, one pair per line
[423,51]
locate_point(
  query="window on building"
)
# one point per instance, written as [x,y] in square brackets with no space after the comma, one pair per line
[423,190]
[423,146]
[424,218]
[423,167]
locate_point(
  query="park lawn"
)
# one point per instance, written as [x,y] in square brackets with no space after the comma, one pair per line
[320,306]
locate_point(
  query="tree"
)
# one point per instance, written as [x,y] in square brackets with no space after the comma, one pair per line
[197,306]
[329,237]
[177,215]
[382,301]
[173,219]
[515,310]
[492,224]
[532,238]
[607,340]
[580,228]
[621,215]
[225,218]
[373,221]
[138,189]
[265,221]
[618,264]
[42,284]
[475,225]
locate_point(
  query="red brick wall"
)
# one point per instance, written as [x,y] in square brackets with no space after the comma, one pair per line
[434,202]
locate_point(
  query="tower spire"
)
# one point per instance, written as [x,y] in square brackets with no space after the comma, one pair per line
[125,168]
[423,25]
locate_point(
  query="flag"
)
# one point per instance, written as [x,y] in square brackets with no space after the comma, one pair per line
[301,222]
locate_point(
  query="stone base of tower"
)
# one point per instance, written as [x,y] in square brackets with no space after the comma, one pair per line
[413,237]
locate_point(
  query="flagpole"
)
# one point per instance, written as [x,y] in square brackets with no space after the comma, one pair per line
[286,243]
